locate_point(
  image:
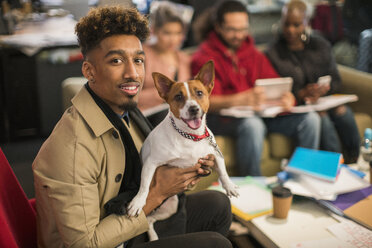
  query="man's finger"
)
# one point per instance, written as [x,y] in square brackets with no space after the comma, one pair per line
[190,170]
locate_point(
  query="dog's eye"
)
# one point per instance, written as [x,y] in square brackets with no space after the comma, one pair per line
[199,93]
[178,97]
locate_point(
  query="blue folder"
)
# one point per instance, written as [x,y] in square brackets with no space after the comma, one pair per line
[321,164]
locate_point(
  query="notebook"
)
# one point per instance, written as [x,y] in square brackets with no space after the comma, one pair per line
[254,198]
[356,205]
[274,88]
[320,164]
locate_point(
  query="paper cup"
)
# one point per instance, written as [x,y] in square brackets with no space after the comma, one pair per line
[282,200]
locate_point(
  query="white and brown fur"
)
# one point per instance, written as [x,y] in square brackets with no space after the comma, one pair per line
[164,145]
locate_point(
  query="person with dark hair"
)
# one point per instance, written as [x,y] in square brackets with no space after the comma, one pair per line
[168,31]
[237,65]
[92,155]
[306,57]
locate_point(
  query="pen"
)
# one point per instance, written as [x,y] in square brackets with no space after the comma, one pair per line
[331,207]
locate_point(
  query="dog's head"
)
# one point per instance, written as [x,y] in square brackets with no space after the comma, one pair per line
[188,101]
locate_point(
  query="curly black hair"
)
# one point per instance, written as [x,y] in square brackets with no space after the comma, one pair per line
[104,22]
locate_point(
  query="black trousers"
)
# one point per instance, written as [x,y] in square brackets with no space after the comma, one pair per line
[208,219]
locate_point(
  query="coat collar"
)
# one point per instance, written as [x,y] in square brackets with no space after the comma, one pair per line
[91,112]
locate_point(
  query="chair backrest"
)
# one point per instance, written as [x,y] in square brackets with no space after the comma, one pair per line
[71,86]
[17,216]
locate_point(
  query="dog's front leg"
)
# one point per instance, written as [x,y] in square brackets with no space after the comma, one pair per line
[136,205]
[227,184]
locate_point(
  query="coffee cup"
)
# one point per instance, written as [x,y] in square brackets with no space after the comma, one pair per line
[282,200]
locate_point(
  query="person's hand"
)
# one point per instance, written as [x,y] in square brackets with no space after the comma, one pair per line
[169,181]
[311,93]
[253,97]
[207,163]
[287,101]
[259,98]
[244,98]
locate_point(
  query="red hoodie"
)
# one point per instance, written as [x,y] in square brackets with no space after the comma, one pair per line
[233,72]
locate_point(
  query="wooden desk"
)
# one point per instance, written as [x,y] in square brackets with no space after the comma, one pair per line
[306,221]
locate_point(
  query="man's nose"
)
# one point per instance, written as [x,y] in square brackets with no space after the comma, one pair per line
[130,71]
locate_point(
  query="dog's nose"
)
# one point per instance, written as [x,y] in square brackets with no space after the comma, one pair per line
[193,110]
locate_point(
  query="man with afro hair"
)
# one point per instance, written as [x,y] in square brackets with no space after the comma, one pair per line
[91,156]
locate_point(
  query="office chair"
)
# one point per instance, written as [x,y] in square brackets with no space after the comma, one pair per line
[17,214]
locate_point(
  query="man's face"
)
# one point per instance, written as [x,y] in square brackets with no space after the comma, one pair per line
[234,29]
[115,70]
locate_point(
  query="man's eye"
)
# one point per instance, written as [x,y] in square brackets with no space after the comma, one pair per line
[139,61]
[116,61]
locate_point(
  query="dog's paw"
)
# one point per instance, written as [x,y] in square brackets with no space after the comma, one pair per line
[117,208]
[231,189]
[135,206]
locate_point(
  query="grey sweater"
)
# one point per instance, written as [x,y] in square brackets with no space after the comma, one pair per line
[305,66]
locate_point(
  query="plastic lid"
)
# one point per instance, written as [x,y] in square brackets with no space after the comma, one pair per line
[281,192]
[368,133]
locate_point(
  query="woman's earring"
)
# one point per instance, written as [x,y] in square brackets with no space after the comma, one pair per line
[304,37]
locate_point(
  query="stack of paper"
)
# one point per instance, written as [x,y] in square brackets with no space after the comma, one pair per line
[324,103]
[310,186]
[318,174]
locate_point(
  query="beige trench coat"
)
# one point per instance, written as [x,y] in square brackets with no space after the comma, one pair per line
[77,170]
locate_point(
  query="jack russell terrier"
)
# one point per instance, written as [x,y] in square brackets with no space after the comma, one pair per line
[181,138]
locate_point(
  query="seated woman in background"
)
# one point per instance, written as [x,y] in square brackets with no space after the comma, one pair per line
[305,58]
[163,55]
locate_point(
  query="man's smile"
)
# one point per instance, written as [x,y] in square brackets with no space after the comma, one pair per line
[130,89]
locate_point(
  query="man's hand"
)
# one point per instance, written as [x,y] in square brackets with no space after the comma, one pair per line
[287,101]
[259,98]
[253,97]
[169,181]
[207,164]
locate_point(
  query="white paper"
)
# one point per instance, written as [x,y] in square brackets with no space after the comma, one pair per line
[54,31]
[351,233]
[324,103]
[321,189]
[322,243]
[252,198]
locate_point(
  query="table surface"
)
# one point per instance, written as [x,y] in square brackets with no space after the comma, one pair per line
[306,221]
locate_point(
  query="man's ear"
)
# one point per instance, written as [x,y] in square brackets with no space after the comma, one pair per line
[163,84]
[206,75]
[218,28]
[88,71]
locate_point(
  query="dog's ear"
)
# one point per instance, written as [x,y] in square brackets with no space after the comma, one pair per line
[163,84]
[206,75]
